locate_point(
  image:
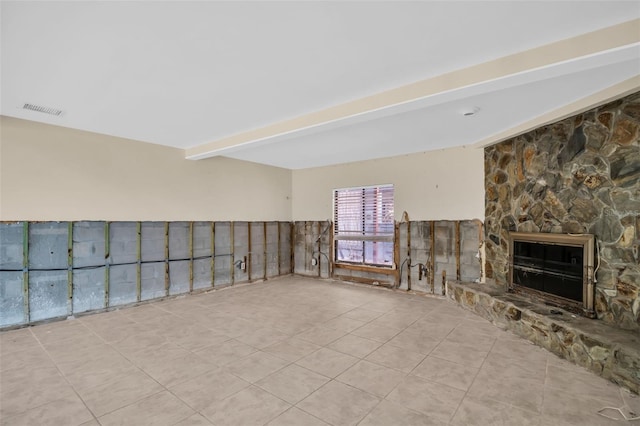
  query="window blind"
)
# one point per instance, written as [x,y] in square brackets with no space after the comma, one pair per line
[364,214]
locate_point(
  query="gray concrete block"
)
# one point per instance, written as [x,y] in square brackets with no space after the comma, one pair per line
[285,248]
[222,272]
[307,247]
[48,245]
[202,239]
[152,280]
[11,246]
[88,244]
[88,289]
[272,249]
[179,277]
[123,242]
[179,240]
[11,298]
[153,241]
[222,243]
[122,284]
[257,250]
[201,274]
[48,294]
[240,249]
[223,253]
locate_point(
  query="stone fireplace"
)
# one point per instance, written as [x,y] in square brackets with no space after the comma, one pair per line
[556,268]
[562,218]
[580,175]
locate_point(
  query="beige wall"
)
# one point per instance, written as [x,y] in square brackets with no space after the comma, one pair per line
[53,173]
[443,184]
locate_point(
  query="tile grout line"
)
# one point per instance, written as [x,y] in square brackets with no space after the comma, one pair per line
[164,388]
[63,376]
[466,393]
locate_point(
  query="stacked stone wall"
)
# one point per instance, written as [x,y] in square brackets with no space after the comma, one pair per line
[579,175]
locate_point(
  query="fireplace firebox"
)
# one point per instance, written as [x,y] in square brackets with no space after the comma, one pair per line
[557,268]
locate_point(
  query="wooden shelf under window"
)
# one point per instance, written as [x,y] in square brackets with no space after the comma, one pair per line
[366,268]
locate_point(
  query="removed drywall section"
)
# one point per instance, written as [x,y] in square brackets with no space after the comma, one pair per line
[122,261]
[271,249]
[180,258]
[89,252]
[223,249]
[285,253]
[434,185]
[56,269]
[256,259]
[427,254]
[48,262]
[444,251]
[45,170]
[12,265]
[312,248]
[471,250]
[241,250]
[12,303]
[203,261]
[421,239]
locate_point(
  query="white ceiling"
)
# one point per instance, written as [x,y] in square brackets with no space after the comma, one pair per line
[184,74]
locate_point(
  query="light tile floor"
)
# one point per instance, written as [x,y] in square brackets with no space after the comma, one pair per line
[292,351]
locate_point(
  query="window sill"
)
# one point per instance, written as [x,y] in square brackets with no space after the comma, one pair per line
[386,270]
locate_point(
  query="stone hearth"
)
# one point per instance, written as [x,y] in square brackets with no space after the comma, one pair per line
[610,352]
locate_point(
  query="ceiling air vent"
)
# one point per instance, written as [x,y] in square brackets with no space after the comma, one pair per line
[40,108]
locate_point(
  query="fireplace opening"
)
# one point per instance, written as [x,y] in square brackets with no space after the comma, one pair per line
[558,268]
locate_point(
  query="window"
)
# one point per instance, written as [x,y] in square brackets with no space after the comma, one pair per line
[364,225]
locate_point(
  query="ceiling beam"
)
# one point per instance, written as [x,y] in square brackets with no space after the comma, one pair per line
[572,49]
[609,94]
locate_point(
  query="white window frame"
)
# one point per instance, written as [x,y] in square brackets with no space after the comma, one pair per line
[364,214]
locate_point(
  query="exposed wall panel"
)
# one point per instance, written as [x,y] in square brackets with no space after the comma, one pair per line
[223,253]
[48,291]
[324,255]
[306,248]
[257,251]
[48,245]
[403,261]
[470,242]
[455,248]
[420,255]
[153,241]
[123,245]
[240,250]
[152,280]
[202,273]
[11,253]
[140,261]
[285,248]
[179,237]
[203,255]
[202,239]
[11,298]
[273,249]
[122,284]
[178,277]
[88,244]
[88,289]
[445,253]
